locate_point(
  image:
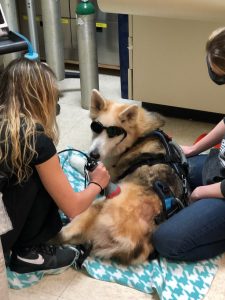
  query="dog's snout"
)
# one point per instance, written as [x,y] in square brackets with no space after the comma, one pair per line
[95,154]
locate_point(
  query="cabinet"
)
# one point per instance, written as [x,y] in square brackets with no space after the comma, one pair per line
[168,63]
[167,51]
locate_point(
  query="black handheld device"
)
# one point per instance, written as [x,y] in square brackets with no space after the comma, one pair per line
[91,164]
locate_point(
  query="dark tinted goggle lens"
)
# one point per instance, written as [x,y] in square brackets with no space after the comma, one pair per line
[111,131]
[97,127]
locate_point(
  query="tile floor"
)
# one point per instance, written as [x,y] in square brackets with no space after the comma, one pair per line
[74,131]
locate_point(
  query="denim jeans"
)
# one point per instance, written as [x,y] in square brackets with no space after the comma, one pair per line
[196,232]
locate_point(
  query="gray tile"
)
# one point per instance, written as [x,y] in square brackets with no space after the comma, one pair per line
[49,286]
[26,294]
[84,287]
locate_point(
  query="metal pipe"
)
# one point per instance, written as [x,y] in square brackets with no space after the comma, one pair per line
[31,13]
[53,36]
[87,51]
[9,8]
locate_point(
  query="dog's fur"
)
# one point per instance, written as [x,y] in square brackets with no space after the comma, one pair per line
[121,228]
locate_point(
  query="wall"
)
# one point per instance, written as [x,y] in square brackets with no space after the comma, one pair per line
[168,63]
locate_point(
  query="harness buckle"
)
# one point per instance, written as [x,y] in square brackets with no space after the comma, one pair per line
[185,189]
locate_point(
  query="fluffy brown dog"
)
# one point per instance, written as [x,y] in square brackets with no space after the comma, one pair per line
[121,228]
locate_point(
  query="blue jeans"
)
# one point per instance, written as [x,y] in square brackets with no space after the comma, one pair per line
[196,232]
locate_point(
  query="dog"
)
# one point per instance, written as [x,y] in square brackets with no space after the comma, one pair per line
[121,228]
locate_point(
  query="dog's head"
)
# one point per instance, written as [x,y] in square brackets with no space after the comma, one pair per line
[116,126]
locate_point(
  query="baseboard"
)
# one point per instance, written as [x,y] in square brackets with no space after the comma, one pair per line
[184,113]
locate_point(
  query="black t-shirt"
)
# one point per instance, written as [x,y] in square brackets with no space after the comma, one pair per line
[45,149]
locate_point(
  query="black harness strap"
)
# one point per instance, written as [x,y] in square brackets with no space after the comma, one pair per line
[164,138]
[149,159]
[173,157]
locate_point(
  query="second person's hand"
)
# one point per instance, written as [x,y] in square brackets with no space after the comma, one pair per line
[189,150]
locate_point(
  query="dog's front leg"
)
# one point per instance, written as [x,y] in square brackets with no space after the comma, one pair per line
[78,231]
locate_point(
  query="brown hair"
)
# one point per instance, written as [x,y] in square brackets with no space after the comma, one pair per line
[28,95]
[215,48]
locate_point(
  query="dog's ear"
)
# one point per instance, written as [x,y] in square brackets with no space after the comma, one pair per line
[129,114]
[98,103]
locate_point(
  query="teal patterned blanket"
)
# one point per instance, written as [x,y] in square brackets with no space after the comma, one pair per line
[169,279]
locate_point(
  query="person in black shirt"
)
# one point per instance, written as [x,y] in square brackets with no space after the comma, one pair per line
[32,182]
[198,231]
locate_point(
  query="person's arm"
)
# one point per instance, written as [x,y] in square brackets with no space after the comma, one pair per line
[207,191]
[57,185]
[211,139]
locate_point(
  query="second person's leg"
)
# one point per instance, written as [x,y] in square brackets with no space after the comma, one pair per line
[195,233]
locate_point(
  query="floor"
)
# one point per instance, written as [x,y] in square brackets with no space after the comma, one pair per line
[74,131]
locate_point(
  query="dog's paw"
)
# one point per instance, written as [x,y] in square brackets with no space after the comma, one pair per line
[65,235]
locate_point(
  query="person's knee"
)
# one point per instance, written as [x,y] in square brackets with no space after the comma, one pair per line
[168,244]
[160,241]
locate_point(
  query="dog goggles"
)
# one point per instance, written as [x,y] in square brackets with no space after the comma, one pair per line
[112,131]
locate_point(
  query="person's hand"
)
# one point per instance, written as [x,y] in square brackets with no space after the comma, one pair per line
[197,194]
[100,175]
[207,191]
[188,150]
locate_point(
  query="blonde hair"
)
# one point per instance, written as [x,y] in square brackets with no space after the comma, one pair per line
[215,48]
[28,96]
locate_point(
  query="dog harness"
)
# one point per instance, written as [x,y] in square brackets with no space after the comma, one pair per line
[176,159]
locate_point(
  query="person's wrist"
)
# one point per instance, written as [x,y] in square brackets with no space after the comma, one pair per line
[96,184]
[201,192]
[194,150]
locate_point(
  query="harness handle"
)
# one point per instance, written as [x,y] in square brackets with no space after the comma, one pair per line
[180,152]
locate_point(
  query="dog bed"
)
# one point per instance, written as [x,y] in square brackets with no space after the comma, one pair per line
[170,280]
